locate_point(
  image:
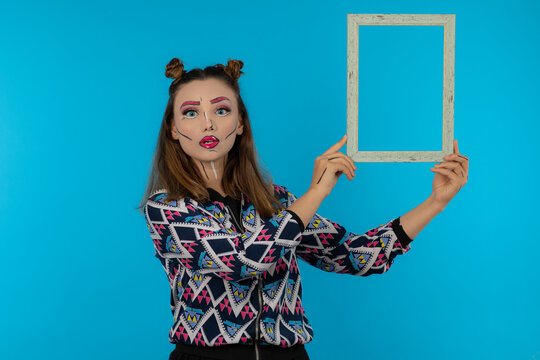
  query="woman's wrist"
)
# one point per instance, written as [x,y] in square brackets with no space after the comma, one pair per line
[317,193]
[434,205]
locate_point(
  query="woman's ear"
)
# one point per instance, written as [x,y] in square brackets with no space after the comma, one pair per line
[240,128]
[174,132]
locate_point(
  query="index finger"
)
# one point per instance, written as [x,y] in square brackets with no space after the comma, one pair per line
[456,149]
[334,148]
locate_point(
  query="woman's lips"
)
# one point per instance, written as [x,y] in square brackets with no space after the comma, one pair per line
[209,142]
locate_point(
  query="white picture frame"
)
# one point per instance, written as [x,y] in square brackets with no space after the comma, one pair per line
[353,23]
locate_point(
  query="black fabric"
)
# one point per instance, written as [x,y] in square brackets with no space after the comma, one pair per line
[238,352]
[298,220]
[234,205]
[404,239]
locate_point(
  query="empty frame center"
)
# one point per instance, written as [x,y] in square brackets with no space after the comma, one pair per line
[400,87]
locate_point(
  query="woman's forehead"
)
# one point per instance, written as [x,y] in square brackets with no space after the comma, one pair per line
[204,90]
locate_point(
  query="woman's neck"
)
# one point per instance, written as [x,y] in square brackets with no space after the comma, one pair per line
[212,172]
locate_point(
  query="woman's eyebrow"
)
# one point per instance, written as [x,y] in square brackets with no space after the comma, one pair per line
[190,103]
[218,99]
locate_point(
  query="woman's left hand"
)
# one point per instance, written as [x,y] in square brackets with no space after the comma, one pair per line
[450,177]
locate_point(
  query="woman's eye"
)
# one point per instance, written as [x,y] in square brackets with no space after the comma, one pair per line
[190,114]
[223,111]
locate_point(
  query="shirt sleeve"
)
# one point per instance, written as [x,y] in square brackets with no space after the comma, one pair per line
[201,239]
[330,247]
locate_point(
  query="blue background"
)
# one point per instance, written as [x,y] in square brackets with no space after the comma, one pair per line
[82,95]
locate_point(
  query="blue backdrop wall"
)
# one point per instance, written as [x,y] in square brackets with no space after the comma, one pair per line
[82,94]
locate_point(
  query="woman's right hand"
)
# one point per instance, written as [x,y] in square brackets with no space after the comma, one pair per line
[329,167]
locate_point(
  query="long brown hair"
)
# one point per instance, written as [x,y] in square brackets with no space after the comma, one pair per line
[172,169]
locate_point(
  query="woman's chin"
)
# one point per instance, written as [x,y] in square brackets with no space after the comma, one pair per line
[208,156]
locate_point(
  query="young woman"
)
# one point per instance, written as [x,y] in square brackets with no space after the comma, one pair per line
[229,239]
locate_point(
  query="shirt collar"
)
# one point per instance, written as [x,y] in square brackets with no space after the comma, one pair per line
[216,196]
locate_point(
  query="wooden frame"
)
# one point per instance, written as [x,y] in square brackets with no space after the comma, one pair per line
[356,20]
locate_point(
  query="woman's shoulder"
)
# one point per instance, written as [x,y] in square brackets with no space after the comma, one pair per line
[281,192]
[160,196]
[279,188]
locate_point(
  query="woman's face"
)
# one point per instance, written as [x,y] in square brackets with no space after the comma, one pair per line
[206,119]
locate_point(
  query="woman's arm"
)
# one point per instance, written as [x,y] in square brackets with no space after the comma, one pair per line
[416,219]
[306,205]
[450,176]
[330,247]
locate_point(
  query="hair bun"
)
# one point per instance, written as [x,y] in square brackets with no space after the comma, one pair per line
[174,69]
[233,68]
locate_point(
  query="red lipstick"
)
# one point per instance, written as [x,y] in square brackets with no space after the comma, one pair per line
[209,142]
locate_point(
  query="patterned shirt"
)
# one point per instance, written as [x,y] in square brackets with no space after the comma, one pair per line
[231,284]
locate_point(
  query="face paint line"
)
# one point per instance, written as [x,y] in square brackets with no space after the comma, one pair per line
[190,103]
[211,125]
[187,137]
[232,132]
[322,175]
[214,168]
[204,170]
[218,99]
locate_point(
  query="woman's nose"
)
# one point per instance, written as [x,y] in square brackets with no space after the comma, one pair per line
[208,123]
